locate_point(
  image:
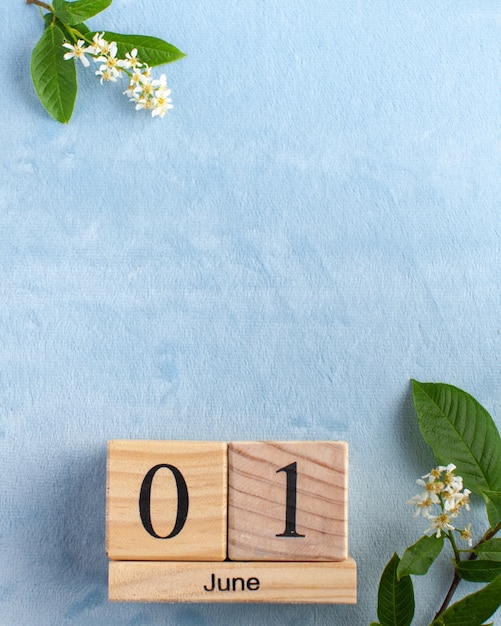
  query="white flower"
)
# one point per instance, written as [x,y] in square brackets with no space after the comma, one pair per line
[454,501]
[439,523]
[149,94]
[161,101]
[142,102]
[431,486]
[137,77]
[465,534]
[106,76]
[77,51]
[132,58]
[129,92]
[112,64]
[443,493]
[423,503]
[102,47]
[162,104]
[160,82]
[435,473]
[146,72]
[452,482]
[465,500]
[144,91]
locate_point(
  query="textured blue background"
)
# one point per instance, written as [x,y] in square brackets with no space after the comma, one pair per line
[315,222]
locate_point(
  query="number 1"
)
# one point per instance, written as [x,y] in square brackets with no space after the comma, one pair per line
[290,505]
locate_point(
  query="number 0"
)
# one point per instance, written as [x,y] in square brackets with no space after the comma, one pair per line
[145,501]
[290,505]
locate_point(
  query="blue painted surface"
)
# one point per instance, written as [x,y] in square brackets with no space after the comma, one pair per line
[315,222]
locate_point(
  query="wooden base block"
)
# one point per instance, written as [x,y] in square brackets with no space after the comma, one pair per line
[233,581]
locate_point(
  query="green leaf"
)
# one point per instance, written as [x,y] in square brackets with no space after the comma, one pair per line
[418,558]
[49,18]
[481,571]
[150,50]
[395,597]
[54,78]
[474,609]
[490,549]
[80,10]
[460,431]
[493,506]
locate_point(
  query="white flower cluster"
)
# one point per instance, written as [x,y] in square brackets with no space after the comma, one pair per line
[441,501]
[145,92]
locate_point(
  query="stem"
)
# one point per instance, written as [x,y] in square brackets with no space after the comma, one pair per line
[455,582]
[76,34]
[73,33]
[39,3]
[489,534]
[456,578]
[450,537]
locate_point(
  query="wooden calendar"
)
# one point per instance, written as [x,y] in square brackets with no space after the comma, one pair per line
[207,521]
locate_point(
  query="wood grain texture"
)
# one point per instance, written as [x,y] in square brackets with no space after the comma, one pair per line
[305,583]
[203,466]
[257,501]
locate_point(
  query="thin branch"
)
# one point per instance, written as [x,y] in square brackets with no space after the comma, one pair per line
[455,582]
[39,3]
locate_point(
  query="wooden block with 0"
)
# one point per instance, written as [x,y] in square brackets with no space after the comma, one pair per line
[287,501]
[166,500]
